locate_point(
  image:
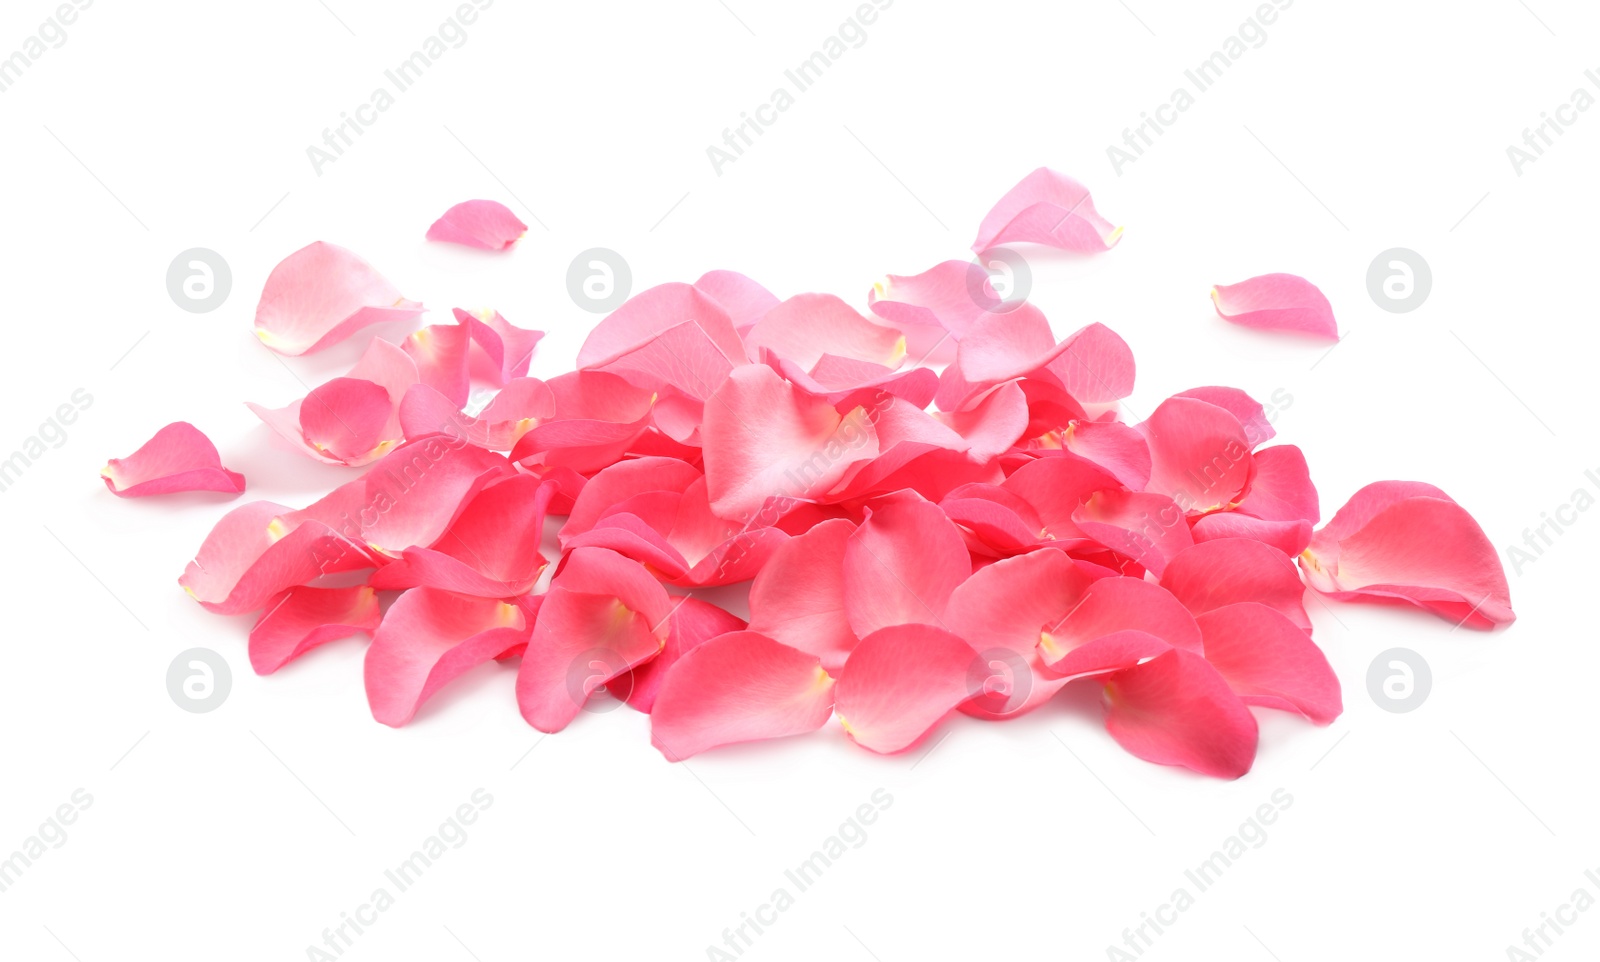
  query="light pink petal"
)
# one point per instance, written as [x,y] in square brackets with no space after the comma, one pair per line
[410,497]
[996,521]
[1252,416]
[603,615]
[798,598]
[935,308]
[598,417]
[1267,660]
[307,617]
[1228,571]
[1178,710]
[998,347]
[1111,606]
[1290,537]
[487,224]
[1388,544]
[518,408]
[1047,208]
[683,358]
[252,555]
[900,567]
[743,299]
[440,352]
[1199,454]
[178,458]
[647,315]
[807,326]
[717,550]
[506,348]
[1277,302]
[491,550]
[899,683]
[1148,528]
[993,424]
[322,294]
[1094,365]
[1116,448]
[692,623]
[738,687]
[428,638]
[764,438]
[1280,488]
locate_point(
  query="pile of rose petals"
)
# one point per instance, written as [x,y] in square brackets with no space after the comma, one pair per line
[917,541]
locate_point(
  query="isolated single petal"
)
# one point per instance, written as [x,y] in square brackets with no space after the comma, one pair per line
[1178,710]
[428,638]
[738,687]
[1277,302]
[306,617]
[488,224]
[1391,542]
[322,294]
[178,458]
[1267,660]
[1048,208]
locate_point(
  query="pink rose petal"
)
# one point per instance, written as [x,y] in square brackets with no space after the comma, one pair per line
[1047,208]
[178,458]
[488,224]
[1277,302]
[321,294]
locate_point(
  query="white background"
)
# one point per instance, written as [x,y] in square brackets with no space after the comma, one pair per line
[1358,126]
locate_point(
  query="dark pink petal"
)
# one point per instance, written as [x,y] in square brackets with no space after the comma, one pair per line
[598,417]
[1047,208]
[506,347]
[899,682]
[1280,488]
[1290,537]
[1001,522]
[307,617]
[622,481]
[1056,487]
[718,551]
[487,224]
[692,623]
[178,458]
[1148,528]
[1199,454]
[1408,541]
[738,687]
[900,567]
[1178,710]
[1252,416]
[1112,606]
[322,294]
[764,438]
[798,598]
[345,418]
[743,299]
[491,550]
[603,615]
[806,327]
[428,638]
[1277,302]
[647,315]
[1267,660]
[1228,571]
[1002,611]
